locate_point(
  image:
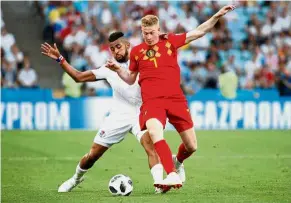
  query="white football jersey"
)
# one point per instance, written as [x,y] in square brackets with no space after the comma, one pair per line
[127,98]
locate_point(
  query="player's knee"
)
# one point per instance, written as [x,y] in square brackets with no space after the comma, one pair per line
[90,157]
[156,135]
[147,145]
[191,148]
[97,151]
[154,126]
[156,131]
[94,155]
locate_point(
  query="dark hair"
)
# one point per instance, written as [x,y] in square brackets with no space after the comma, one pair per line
[115,36]
[2,53]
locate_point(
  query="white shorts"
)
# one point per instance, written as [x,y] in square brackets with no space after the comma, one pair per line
[115,127]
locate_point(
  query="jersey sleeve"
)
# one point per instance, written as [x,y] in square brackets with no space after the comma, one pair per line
[177,40]
[133,64]
[101,73]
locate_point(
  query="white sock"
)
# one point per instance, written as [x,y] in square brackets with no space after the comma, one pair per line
[79,172]
[177,163]
[157,172]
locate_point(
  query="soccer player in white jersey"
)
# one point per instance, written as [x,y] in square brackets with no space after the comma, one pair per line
[123,117]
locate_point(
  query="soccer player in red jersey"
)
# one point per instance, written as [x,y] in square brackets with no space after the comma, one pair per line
[156,62]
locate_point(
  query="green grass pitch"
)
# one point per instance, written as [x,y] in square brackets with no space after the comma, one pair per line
[229,166]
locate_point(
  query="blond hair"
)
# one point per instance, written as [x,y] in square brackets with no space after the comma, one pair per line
[149,20]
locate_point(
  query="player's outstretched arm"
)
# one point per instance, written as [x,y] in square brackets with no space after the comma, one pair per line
[205,27]
[53,53]
[126,75]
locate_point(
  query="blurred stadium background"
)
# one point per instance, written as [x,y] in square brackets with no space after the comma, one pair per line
[253,41]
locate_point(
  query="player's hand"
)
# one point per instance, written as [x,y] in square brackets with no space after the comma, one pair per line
[112,65]
[225,10]
[50,51]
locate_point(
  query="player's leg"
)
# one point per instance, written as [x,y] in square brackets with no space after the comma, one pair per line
[162,148]
[85,163]
[189,145]
[180,117]
[146,142]
[153,159]
[90,158]
[111,132]
[155,129]
[154,120]
[185,150]
[155,166]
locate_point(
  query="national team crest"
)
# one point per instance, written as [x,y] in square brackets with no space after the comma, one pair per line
[102,133]
[151,53]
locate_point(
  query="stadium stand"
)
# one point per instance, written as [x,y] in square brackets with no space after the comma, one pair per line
[16,69]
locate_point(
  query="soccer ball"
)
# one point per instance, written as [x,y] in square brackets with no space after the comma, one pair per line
[120,185]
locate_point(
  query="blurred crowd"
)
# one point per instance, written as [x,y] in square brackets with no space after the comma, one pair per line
[16,69]
[253,41]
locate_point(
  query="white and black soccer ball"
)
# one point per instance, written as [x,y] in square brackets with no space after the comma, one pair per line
[120,185]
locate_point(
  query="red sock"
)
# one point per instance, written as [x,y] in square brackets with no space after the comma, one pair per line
[165,154]
[183,153]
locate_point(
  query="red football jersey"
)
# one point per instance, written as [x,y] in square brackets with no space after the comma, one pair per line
[158,67]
